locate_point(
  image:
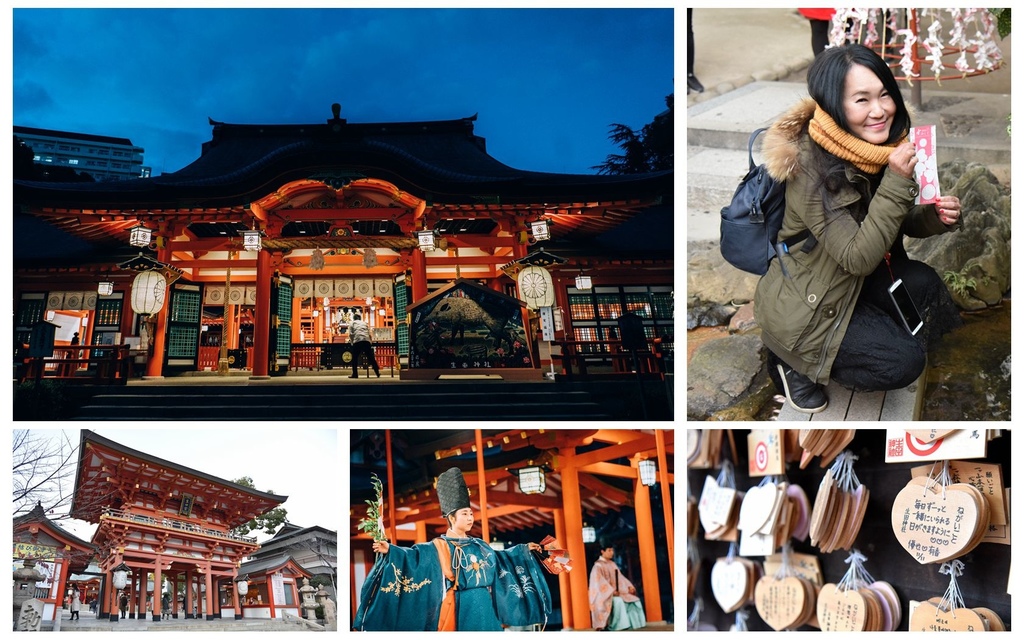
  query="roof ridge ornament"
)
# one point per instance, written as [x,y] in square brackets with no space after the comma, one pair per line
[337,120]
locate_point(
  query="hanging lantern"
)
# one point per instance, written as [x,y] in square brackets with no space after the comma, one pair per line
[427,240]
[252,240]
[243,585]
[531,480]
[120,573]
[540,230]
[584,283]
[648,473]
[105,288]
[148,292]
[589,534]
[140,236]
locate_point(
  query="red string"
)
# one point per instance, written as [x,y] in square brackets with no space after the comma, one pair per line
[889,265]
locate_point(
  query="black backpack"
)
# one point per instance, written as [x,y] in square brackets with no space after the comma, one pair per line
[751,222]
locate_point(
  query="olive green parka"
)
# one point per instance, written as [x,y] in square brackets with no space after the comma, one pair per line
[804,311]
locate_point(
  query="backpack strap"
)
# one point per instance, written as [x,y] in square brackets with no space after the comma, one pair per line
[750,146]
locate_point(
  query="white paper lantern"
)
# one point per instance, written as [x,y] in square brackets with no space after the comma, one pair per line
[148,292]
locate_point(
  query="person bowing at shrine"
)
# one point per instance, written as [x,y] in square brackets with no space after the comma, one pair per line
[455,582]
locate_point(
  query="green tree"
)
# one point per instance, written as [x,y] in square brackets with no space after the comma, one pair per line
[650,149]
[268,522]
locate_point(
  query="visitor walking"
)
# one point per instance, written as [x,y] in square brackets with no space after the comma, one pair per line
[76,603]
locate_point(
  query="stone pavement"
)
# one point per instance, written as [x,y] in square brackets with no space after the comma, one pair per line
[89,623]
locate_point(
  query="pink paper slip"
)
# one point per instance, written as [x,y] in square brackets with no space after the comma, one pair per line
[926,170]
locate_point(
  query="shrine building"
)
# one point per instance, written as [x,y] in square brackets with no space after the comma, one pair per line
[160,521]
[258,255]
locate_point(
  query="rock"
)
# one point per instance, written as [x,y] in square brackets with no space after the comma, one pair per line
[981,249]
[710,278]
[743,320]
[721,372]
[701,314]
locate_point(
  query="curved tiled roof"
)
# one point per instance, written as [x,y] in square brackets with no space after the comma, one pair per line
[441,161]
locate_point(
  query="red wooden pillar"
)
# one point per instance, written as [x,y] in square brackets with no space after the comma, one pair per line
[481,477]
[666,501]
[155,366]
[261,334]
[574,537]
[188,594]
[421,531]
[419,275]
[645,539]
[157,591]
[235,604]
[209,589]
[564,591]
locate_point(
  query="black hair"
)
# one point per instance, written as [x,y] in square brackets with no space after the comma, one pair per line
[357,317]
[826,84]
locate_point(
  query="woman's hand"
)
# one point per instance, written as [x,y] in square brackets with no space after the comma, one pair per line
[533,546]
[902,160]
[381,546]
[948,209]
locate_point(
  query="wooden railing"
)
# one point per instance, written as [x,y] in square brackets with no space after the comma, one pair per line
[587,358]
[319,356]
[86,364]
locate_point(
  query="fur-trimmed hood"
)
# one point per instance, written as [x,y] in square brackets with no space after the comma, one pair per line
[781,146]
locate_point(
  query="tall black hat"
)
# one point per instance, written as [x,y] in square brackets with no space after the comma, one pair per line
[452,492]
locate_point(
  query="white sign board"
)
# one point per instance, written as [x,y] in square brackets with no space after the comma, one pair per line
[547,324]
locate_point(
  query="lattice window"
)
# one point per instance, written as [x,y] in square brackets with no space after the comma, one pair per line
[31,312]
[186,306]
[639,303]
[108,312]
[284,341]
[663,305]
[581,307]
[608,306]
[182,341]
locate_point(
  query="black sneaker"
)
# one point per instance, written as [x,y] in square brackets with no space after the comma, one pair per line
[693,83]
[803,395]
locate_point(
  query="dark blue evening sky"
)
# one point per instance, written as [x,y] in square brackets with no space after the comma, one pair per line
[545,83]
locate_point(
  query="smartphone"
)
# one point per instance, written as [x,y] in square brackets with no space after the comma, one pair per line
[905,307]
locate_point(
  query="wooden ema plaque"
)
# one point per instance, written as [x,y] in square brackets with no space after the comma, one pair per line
[935,525]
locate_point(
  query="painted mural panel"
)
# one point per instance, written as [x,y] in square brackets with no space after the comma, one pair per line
[466,326]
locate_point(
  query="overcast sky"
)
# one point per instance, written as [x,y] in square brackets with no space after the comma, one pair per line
[546,83]
[289,460]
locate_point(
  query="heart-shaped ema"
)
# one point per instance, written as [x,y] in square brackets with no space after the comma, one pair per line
[782,603]
[759,504]
[935,525]
[928,617]
[841,610]
[730,583]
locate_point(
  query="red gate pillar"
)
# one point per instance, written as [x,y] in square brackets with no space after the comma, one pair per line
[564,592]
[155,365]
[261,330]
[419,275]
[645,539]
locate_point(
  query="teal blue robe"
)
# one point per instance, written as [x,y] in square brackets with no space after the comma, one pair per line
[403,591]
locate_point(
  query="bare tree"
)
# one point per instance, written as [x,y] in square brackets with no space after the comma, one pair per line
[43,470]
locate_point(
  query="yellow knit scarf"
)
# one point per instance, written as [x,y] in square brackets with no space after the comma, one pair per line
[870,158]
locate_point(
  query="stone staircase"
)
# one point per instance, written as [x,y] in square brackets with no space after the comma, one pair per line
[433,401]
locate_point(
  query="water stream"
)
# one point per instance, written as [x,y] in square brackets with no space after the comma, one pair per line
[969,372]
